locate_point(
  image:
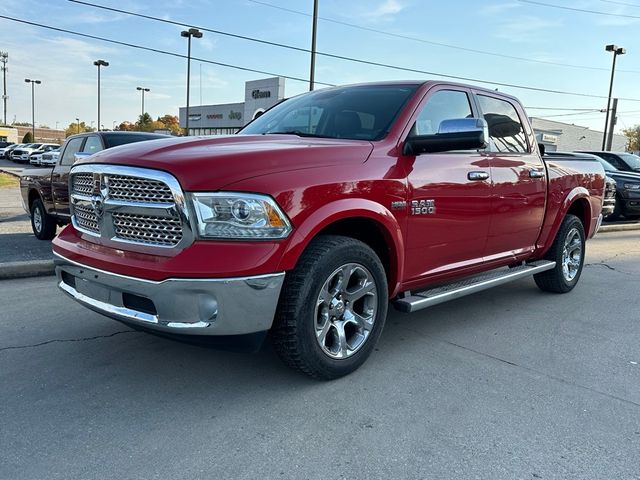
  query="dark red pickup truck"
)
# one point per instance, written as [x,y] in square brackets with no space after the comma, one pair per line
[320,212]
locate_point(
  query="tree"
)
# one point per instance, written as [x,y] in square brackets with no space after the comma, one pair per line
[126,126]
[633,136]
[171,123]
[28,138]
[21,124]
[144,122]
[75,128]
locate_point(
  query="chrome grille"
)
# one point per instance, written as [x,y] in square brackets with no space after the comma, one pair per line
[86,218]
[134,189]
[147,229]
[130,208]
[83,183]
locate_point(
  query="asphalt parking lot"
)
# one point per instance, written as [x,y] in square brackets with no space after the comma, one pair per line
[508,384]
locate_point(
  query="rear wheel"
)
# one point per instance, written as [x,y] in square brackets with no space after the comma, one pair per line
[332,308]
[42,224]
[567,251]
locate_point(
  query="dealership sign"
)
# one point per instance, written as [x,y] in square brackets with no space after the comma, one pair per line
[256,94]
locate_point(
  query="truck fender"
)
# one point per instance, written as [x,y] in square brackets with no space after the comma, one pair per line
[345,209]
[577,194]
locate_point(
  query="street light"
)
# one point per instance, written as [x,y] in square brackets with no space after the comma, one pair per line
[616,51]
[192,32]
[4,59]
[314,31]
[33,110]
[78,122]
[99,63]
[142,89]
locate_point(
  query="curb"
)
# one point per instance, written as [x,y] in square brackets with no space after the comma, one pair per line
[13,174]
[30,268]
[619,228]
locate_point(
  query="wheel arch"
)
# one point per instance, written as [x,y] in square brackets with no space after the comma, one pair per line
[361,219]
[577,203]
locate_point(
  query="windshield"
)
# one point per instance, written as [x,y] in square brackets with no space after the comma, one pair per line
[607,166]
[632,161]
[364,112]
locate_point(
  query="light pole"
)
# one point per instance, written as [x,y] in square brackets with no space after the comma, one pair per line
[142,89]
[192,32]
[99,63]
[616,51]
[78,122]
[4,58]
[33,110]
[314,30]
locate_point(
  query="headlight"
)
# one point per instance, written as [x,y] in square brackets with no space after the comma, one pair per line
[632,186]
[239,216]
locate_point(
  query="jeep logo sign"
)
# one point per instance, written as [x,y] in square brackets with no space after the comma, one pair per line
[235,115]
[260,94]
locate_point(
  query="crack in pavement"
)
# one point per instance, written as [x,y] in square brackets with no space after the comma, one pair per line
[19,347]
[529,369]
[613,269]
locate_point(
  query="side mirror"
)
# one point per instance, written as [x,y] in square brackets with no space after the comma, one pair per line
[80,155]
[454,134]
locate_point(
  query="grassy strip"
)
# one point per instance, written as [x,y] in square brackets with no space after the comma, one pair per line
[8,180]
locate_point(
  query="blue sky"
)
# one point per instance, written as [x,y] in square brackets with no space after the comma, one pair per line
[509,27]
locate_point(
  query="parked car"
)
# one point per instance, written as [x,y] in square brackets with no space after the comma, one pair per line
[45,192]
[609,198]
[320,212]
[21,155]
[623,161]
[50,158]
[36,156]
[10,148]
[627,191]
[3,147]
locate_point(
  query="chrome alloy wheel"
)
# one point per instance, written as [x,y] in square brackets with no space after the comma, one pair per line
[37,219]
[572,255]
[346,310]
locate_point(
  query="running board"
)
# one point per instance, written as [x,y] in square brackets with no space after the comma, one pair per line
[469,285]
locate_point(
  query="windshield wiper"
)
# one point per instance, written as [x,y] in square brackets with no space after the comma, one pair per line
[298,133]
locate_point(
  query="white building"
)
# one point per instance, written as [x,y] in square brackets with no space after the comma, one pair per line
[558,136]
[228,118]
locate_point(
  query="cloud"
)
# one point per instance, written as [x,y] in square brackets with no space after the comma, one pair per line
[386,9]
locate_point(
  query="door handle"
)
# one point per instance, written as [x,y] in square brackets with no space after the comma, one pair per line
[535,173]
[476,176]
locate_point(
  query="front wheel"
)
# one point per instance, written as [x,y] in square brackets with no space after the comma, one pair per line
[567,251]
[332,308]
[42,224]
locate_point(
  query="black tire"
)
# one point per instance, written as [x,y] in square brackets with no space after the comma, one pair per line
[42,224]
[294,332]
[559,280]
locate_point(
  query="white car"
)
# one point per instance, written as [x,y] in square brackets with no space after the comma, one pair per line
[50,158]
[36,155]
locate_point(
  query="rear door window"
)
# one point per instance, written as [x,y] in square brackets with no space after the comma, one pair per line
[506,133]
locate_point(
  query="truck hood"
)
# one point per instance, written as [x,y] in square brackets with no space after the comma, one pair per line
[210,163]
[620,175]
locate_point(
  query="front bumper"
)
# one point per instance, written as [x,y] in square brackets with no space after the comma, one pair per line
[186,306]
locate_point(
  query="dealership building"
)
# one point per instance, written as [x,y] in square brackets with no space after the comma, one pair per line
[228,118]
[558,136]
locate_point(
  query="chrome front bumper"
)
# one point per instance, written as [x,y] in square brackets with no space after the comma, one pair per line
[191,306]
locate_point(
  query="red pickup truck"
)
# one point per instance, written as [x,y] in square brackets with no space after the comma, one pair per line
[319,213]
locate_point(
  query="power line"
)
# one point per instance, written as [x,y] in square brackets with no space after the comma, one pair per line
[564,109]
[431,42]
[157,50]
[621,3]
[340,57]
[352,59]
[573,9]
